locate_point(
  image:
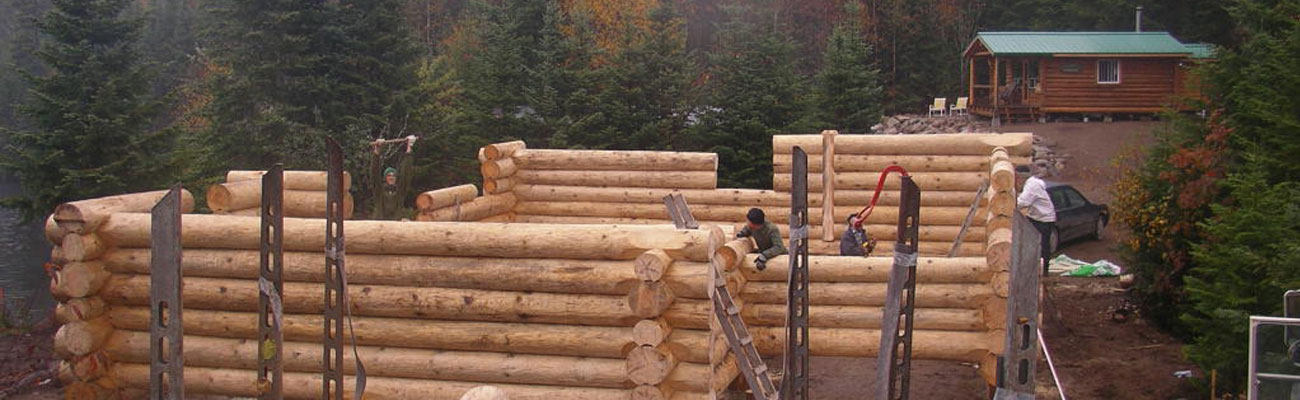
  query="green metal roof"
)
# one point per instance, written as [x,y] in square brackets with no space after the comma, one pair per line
[1048,43]
[1201,50]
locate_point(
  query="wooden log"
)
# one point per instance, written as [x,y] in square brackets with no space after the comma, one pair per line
[616,160]
[474,210]
[925,249]
[306,386]
[886,234]
[497,151]
[608,242]
[653,179]
[651,392]
[497,169]
[926,344]
[860,317]
[53,232]
[828,185]
[515,338]
[648,365]
[711,213]
[446,197]
[90,367]
[87,391]
[503,218]
[85,216]
[1003,176]
[1017,144]
[83,247]
[498,186]
[649,299]
[999,250]
[79,309]
[485,393]
[393,362]
[735,197]
[247,195]
[651,265]
[685,278]
[651,332]
[734,251]
[293,180]
[938,295]
[994,312]
[878,162]
[872,269]
[56,255]
[79,338]
[79,279]
[393,301]
[941,181]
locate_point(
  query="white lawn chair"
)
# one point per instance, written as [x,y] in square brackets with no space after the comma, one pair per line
[960,107]
[939,107]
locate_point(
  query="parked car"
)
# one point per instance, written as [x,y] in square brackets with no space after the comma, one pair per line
[1076,217]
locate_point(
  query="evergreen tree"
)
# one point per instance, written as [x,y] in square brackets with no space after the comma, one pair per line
[91,116]
[847,91]
[20,38]
[650,94]
[754,93]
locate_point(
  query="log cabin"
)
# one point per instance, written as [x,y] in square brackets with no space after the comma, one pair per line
[1030,74]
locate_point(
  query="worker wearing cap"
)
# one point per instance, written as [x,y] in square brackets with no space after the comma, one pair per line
[767,237]
[855,241]
[1035,204]
[390,188]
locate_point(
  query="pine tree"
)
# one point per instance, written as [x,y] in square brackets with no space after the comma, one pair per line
[91,117]
[847,89]
[755,92]
[650,94]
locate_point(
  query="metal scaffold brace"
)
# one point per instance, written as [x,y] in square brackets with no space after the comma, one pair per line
[270,310]
[794,383]
[166,361]
[894,360]
[336,287]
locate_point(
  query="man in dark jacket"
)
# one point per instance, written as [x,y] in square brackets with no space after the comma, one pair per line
[767,237]
[390,189]
[855,241]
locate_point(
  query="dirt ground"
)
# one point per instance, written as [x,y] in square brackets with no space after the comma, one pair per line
[21,355]
[1096,357]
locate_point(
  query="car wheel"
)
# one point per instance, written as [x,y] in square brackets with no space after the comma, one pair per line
[1098,228]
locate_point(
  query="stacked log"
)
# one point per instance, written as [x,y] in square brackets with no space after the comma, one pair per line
[440,308]
[78,281]
[304,194]
[462,203]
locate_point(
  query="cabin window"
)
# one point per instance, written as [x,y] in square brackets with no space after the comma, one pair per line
[1107,71]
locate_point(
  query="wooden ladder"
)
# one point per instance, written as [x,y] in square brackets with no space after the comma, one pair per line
[740,341]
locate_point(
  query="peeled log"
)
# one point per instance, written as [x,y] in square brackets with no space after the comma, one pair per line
[608,242]
[975,144]
[496,169]
[999,250]
[83,247]
[79,279]
[79,309]
[307,386]
[927,181]
[88,391]
[392,301]
[497,151]
[53,232]
[542,339]
[647,365]
[651,332]
[872,269]
[435,199]
[86,216]
[293,180]
[926,344]
[498,186]
[244,195]
[90,367]
[474,210]
[653,179]
[616,160]
[650,299]
[937,319]
[734,251]
[875,163]
[651,265]
[708,212]
[80,338]
[485,393]
[736,197]
[686,279]
[938,295]
[392,362]
[1003,175]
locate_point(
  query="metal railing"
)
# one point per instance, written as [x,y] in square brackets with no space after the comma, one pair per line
[1254,376]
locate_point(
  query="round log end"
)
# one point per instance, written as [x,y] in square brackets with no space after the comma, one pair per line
[651,265]
[90,367]
[1001,284]
[218,198]
[650,299]
[81,338]
[83,247]
[648,365]
[995,314]
[650,332]
[497,151]
[53,232]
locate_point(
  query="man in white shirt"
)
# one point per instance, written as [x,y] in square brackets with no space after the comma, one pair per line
[1037,205]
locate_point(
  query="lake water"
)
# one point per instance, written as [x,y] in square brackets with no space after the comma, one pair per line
[23,252]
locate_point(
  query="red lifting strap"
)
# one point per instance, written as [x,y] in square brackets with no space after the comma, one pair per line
[866,212]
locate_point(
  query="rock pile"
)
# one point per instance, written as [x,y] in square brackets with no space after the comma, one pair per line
[1046,156]
[917,124]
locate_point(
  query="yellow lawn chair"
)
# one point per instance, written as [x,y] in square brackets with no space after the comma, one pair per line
[939,107]
[960,107]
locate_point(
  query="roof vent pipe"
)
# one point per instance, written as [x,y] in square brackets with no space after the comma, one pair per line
[1138,24]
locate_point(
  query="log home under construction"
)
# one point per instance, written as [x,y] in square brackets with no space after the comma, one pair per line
[563,280]
[1029,74]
